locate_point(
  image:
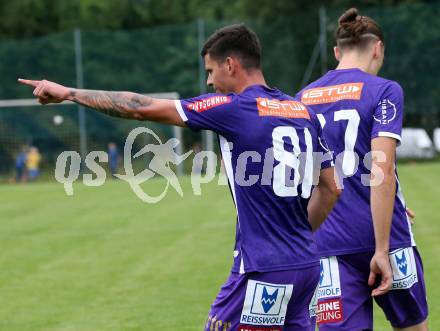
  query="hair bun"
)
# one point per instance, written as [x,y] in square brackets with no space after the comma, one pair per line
[349,16]
[351,25]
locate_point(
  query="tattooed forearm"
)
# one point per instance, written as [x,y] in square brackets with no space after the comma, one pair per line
[117,104]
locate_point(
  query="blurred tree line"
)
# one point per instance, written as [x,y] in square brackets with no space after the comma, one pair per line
[30,18]
[152,46]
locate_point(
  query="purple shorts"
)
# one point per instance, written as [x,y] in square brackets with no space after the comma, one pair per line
[269,301]
[343,299]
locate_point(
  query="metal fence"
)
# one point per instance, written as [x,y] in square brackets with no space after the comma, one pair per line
[296,49]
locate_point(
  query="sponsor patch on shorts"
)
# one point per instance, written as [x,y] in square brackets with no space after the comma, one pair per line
[404,268]
[329,282]
[329,311]
[329,285]
[265,304]
[314,303]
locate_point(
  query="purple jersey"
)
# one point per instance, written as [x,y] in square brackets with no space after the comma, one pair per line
[262,132]
[354,107]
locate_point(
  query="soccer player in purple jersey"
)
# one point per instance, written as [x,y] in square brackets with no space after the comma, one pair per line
[368,232]
[267,141]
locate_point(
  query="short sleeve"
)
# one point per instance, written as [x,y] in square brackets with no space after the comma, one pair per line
[388,113]
[209,112]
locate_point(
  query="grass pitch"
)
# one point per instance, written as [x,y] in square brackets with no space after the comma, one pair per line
[103,260]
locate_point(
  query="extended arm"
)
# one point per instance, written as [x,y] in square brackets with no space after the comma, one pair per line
[323,198]
[118,104]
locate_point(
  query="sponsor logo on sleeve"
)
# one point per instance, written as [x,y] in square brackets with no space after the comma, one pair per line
[329,311]
[404,268]
[208,103]
[265,304]
[285,108]
[329,94]
[388,112]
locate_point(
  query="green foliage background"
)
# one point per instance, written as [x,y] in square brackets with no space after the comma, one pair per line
[152,46]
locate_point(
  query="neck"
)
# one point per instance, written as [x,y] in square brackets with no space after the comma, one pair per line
[355,60]
[249,78]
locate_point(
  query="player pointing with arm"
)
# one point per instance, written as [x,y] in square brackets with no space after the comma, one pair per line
[117,104]
[366,242]
[276,266]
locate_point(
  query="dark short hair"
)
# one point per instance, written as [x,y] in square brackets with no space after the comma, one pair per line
[238,40]
[356,31]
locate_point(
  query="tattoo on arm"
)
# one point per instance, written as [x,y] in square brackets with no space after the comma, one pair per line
[117,104]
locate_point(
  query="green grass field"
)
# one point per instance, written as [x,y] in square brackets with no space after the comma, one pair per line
[103,260]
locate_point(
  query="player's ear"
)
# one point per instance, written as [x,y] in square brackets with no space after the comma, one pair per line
[337,52]
[230,64]
[379,49]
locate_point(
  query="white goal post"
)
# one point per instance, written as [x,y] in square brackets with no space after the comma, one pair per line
[177,131]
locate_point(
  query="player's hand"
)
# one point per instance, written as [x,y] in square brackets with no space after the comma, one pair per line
[380,265]
[412,216]
[46,91]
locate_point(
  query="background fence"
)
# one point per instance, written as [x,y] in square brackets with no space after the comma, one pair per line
[166,59]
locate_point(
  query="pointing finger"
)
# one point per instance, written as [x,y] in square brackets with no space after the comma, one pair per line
[38,90]
[29,82]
